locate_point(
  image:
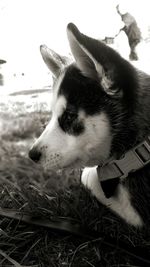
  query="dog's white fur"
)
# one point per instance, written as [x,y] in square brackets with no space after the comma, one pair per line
[120,204]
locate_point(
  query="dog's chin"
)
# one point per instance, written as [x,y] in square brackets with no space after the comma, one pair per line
[62,166]
[72,164]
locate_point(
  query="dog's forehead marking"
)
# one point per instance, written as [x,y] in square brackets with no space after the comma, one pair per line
[56,87]
[60,106]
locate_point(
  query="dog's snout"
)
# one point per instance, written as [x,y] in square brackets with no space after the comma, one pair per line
[34,154]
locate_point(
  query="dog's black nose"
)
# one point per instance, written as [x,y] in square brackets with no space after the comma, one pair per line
[35,155]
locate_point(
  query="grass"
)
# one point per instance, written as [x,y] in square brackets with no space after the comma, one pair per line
[93,235]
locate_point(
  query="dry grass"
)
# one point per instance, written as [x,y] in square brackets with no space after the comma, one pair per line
[54,197]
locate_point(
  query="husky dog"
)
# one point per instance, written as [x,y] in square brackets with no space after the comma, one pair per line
[100,120]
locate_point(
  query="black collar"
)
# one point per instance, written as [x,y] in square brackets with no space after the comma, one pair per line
[113,171]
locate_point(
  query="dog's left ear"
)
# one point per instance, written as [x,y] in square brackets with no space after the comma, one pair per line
[97,61]
[54,62]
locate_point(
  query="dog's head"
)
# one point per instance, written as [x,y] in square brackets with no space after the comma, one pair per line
[92,96]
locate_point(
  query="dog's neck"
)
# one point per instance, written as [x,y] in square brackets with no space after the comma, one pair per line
[115,170]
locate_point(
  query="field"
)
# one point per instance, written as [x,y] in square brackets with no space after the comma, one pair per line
[49,219]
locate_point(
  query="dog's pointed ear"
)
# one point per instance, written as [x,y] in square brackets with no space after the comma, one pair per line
[54,62]
[95,59]
[80,53]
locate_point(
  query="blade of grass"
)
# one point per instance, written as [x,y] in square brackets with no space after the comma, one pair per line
[29,250]
[16,264]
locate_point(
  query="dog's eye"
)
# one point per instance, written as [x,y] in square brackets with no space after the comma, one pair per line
[70,116]
[70,123]
[67,119]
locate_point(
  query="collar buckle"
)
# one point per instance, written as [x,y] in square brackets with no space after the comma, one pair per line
[133,160]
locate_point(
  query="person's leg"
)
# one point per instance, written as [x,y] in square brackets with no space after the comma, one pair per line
[133,53]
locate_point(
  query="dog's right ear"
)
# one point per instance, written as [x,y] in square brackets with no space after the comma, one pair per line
[98,61]
[54,62]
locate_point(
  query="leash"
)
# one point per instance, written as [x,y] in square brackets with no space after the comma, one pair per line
[65,225]
[112,172]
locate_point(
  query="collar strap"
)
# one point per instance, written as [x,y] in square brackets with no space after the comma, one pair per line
[131,161]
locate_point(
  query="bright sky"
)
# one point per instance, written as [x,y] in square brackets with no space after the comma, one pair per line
[25,24]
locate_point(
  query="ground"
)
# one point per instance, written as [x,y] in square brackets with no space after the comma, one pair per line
[49,219]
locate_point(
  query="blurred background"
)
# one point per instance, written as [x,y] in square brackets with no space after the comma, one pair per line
[26,24]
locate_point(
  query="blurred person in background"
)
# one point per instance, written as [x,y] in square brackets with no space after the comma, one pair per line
[132,31]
